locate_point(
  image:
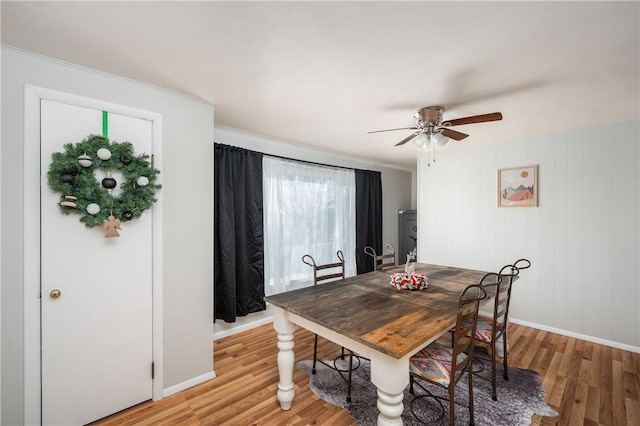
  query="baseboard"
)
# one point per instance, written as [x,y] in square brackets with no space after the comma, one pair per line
[189,383]
[585,337]
[243,327]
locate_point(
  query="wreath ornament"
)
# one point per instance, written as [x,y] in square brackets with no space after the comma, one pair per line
[72,174]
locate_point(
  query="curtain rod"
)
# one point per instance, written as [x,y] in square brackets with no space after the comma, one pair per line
[300,161]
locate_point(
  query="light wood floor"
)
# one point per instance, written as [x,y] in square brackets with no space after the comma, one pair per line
[588,384]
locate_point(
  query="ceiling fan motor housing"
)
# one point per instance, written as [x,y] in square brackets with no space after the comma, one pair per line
[429,116]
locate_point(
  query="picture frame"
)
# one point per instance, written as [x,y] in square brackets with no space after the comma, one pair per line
[518,186]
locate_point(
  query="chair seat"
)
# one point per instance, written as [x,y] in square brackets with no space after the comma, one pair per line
[484,329]
[433,362]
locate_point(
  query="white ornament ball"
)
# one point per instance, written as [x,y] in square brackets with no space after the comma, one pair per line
[104,154]
[93,208]
[142,181]
[85,161]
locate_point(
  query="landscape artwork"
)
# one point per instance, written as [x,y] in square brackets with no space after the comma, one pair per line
[517,187]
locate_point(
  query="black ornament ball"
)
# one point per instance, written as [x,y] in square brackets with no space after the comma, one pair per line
[125,159]
[127,215]
[109,182]
[66,178]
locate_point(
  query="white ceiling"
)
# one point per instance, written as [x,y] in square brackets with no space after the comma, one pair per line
[326,73]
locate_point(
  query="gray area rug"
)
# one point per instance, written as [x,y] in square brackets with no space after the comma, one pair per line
[518,398]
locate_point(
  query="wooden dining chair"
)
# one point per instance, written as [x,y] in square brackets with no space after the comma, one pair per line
[490,329]
[445,366]
[382,261]
[322,274]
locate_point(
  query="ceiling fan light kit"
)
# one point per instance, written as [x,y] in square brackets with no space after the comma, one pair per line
[433,132]
[425,140]
[429,142]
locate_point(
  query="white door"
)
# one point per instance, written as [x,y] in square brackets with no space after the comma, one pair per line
[97,335]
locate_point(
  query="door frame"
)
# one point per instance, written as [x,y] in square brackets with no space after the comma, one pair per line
[32,247]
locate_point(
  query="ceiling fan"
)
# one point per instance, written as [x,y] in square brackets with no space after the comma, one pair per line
[432,131]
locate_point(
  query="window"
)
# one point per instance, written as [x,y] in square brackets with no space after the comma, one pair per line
[308,209]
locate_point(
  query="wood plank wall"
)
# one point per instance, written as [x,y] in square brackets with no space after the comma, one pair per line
[583,238]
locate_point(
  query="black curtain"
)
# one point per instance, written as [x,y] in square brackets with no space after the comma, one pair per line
[239,238]
[368,217]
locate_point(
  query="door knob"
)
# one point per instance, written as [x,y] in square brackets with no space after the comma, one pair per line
[55,293]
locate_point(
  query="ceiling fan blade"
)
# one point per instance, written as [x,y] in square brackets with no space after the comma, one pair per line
[453,134]
[408,138]
[390,130]
[494,116]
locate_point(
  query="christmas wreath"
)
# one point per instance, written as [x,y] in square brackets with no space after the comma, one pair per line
[71,174]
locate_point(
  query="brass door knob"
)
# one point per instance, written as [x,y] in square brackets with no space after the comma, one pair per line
[55,293]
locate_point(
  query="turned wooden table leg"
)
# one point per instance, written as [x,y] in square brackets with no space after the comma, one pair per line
[286,358]
[391,377]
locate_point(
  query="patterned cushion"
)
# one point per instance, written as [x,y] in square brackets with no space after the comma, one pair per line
[484,329]
[434,363]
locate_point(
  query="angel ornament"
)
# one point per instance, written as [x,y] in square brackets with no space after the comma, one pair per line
[111,226]
[409,267]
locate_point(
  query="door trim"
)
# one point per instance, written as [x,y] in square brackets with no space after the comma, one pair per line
[32,249]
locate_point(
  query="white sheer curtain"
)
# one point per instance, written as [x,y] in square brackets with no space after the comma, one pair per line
[308,209]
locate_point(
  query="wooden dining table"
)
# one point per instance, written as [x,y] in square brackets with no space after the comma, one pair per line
[369,316]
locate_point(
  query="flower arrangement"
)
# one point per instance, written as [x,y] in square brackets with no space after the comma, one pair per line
[409,280]
[403,281]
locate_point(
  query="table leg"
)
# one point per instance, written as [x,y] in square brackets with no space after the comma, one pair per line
[286,358]
[390,408]
[391,377]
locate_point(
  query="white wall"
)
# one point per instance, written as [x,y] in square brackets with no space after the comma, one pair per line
[582,239]
[397,194]
[187,178]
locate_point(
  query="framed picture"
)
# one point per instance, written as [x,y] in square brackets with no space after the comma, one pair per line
[518,187]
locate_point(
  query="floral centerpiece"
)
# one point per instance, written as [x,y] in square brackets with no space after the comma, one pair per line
[409,280]
[402,281]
